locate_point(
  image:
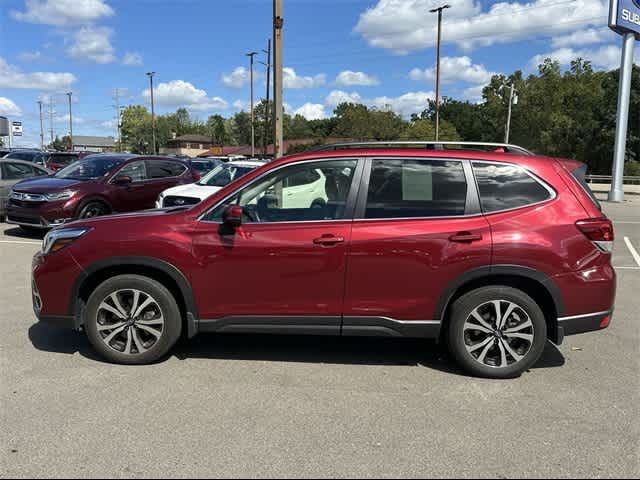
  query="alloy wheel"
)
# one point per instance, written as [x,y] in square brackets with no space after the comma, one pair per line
[130,321]
[498,334]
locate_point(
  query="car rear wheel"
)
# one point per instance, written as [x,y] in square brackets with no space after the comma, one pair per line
[132,319]
[496,332]
[93,209]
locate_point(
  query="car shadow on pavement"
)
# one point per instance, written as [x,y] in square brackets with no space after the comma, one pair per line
[284,348]
[335,350]
[17,232]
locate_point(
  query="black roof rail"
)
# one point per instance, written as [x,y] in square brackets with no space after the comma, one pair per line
[431,145]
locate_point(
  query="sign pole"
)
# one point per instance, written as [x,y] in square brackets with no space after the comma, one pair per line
[616,194]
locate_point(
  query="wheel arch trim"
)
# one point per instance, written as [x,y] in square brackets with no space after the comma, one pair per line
[499,270]
[135,261]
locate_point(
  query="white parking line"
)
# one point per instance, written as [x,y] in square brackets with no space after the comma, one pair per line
[20,243]
[633,251]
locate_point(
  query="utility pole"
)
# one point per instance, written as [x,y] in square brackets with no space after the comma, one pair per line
[266,114]
[116,98]
[41,126]
[153,113]
[278,24]
[253,133]
[439,12]
[70,123]
[51,107]
[513,99]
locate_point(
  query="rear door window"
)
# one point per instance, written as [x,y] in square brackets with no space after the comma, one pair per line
[136,170]
[504,186]
[165,169]
[406,188]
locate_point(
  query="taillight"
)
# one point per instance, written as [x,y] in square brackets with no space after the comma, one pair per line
[196,176]
[599,231]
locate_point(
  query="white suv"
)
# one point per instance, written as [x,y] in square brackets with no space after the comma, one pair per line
[213,181]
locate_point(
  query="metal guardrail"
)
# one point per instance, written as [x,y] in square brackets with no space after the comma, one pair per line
[628,180]
[480,146]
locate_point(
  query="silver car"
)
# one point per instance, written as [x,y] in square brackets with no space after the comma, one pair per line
[11,172]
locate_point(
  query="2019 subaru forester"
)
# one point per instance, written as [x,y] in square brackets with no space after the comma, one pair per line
[493,253]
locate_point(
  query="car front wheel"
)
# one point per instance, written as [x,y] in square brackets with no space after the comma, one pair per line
[496,332]
[132,319]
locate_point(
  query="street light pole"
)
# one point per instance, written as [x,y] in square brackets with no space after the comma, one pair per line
[278,24]
[253,133]
[70,123]
[439,11]
[153,112]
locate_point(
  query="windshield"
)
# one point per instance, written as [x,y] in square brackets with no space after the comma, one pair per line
[223,175]
[89,168]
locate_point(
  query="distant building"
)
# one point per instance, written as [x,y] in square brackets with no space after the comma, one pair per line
[82,143]
[190,145]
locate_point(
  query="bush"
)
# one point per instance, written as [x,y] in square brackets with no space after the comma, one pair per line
[632,169]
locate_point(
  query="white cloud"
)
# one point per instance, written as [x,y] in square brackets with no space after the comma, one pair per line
[293,80]
[350,78]
[453,69]
[9,108]
[473,94]
[132,59]
[240,105]
[236,79]
[12,77]
[108,124]
[93,44]
[403,26]
[179,93]
[30,56]
[336,97]
[583,37]
[405,105]
[311,111]
[63,12]
[605,58]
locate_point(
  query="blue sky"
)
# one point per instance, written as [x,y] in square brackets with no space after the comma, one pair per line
[377,52]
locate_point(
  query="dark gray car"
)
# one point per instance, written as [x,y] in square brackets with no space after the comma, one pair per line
[11,172]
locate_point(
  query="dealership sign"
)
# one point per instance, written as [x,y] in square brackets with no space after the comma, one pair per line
[624,16]
[16,129]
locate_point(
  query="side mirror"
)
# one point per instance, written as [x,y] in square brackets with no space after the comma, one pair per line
[232,216]
[122,180]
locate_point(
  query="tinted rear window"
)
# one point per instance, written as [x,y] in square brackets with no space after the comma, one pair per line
[62,159]
[505,186]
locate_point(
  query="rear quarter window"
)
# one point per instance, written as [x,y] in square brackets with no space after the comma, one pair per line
[503,187]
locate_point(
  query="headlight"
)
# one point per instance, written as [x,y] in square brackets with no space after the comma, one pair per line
[59,238]
[66,195]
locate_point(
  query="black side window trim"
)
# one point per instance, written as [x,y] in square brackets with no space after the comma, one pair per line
[472,205]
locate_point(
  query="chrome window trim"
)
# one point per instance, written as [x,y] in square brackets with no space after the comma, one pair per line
[268,172]
[550,190]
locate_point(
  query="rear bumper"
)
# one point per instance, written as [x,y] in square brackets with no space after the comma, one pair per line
[588,322]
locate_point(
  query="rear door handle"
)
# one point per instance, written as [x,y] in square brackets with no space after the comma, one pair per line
[465,237]
[328,240]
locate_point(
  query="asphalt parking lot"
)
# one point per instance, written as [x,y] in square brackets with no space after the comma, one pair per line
[316,407]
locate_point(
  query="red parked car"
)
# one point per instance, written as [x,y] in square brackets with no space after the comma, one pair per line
[58,160]
[94,186]
[493,253]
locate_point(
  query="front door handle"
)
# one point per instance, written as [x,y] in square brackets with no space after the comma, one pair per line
[328,240]
[465,237]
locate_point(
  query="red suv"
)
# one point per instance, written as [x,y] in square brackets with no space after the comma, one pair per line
[96,185]
[492,253]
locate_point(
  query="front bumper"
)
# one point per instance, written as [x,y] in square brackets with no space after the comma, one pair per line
[40,215]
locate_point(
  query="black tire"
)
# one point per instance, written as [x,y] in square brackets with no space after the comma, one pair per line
[94,208]
[169,310]
[461,338]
